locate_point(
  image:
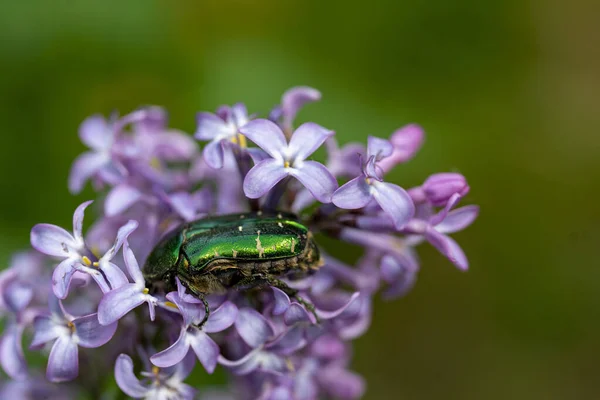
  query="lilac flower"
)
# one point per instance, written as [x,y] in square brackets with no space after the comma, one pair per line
[220,129]
[99,135]
[293,100]
[369,185]
[55,241]
[156,385]
[194,336]
[436,228]
[68,333]
[288,159]
[118,302]
[439,188]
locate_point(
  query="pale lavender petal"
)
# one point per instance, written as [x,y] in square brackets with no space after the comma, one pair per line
[222,318]
[191,312]
[341,384]
[262,177]
[330,314]
[11,352]
[206,350]
[174,146]
[293,99]
[448,247]
[282,301]
[132,265]
[303,199]
[120,198]
[257,154]
[63,363]
[289,342]
[95,132]
[45,330]
[395,201]
[90,333]
[184,368]
[126,379]
[244,365]
[183,204]
[122,235]
[239,114]
[296,313]
[183,295]
[440,216]
[354,194]
[214,154]
[253,327]
[399,275]
[78,221]
[116,303]
[210,126]
[379,148]
[458,219]
[115,276]
[266,135]
[317,179]
[61,278]
[84,167]
[53,241]
[329,346]
[174,353]
[17,295]
[306,140]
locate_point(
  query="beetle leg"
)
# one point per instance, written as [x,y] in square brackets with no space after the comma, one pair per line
[206,311]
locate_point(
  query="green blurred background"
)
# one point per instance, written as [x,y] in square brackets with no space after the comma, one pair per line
[507,91]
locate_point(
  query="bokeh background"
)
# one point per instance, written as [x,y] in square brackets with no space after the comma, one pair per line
[507,91]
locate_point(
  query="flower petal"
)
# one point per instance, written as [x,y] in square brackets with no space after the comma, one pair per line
[341,383]
[132,265]
[63,363]
[53,241]
[174,353]
[282,301]
[306,140]
[262,177]
[120,198]
[95,132]
[239,114]
[116,303]
[244,365]
[395,201]
[84,167]
[458,219]
[11,352]
[222,318]
[206,350]
[210,126]
[122,235]
[317,179]
[266,135]
[253,327]
[78,221]
[334,313]
[90,333]
[126,379]
[115,276]
[354,194]
[61,278]
[296,313]
[45,330]
[448,247]
[294,99]
[379,148]
[214,154]
[17,295]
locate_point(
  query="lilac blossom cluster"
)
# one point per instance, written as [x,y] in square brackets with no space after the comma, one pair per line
[80,292]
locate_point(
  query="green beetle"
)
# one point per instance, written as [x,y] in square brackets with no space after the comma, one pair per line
[236,251]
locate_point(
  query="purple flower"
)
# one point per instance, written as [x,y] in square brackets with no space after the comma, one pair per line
[12,359]
[219,130]
[194,336]
[357,193]
[293,100]
[116,303]
[55,241]
[288,159]
[99,135]
[68,333]
[436,228]
[156,385]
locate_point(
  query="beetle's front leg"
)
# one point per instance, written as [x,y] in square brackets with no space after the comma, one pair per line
[206,310]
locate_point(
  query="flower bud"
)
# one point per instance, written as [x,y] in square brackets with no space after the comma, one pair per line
[406,141]
[438,188]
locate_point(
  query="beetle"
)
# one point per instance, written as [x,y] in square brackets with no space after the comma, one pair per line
[234,251]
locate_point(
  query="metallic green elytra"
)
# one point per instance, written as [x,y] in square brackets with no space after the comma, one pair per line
[237,251]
